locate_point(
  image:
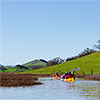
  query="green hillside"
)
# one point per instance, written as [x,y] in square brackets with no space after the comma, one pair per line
[9,69]
[35,64]
[86,64]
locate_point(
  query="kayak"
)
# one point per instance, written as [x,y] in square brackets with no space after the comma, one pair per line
[69,80]
[56,77]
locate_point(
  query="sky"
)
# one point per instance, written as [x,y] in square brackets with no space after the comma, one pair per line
[45,29]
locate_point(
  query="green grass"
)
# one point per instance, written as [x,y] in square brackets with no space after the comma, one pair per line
[32,64]
[86,64]
[13,69]
[35,64]
[9,69]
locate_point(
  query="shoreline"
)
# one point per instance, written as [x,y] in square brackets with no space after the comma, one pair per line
[29,79]
[95,77]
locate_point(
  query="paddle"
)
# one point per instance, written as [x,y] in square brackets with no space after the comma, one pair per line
[70,71]
[77,69]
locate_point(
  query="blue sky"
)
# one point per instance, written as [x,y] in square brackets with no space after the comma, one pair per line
[47,29]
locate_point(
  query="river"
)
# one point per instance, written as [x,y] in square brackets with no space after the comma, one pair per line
[54,90]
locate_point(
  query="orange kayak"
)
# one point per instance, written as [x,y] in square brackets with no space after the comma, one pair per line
[56,77]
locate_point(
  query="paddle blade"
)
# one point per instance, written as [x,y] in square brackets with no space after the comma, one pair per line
[77,69]
[72,70]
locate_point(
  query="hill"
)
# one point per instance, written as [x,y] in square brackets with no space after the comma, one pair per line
[35,64]
[86,64]
[1,65]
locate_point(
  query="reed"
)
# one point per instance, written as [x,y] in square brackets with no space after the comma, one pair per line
[14,79]
[43,75]
[95,77]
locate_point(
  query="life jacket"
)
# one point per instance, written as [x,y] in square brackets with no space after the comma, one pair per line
[69,76]
[54,75]
[65,76]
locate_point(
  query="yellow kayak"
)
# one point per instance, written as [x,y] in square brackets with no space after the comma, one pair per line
[69,80]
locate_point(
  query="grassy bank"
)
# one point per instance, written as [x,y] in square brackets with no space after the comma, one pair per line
[14,79]
[86,64]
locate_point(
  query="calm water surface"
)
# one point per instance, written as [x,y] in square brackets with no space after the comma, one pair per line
[54,90]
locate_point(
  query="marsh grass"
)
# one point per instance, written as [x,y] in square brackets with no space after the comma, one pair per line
[15,79]
[95,77]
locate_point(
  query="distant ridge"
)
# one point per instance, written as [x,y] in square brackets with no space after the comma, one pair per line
[43,60]
[1,65]
[35,64]
[86,64]
[10,65]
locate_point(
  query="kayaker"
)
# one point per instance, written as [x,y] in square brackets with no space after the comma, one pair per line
[65,75]
[56,74]
[69,75]
[73,75]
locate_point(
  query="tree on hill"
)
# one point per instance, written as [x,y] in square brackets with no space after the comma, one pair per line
[55,61]
[98,45]
[86,51]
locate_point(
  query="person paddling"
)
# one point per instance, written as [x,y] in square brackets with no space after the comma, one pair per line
[65,75]
[69,75]
[73,75]
[56,75]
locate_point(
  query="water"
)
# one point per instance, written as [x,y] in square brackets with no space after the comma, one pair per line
[54,90]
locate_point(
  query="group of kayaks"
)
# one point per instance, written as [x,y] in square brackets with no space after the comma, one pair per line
[66,80]
[72,79]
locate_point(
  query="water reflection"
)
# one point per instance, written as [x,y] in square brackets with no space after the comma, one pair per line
[54,90]
[89,89]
